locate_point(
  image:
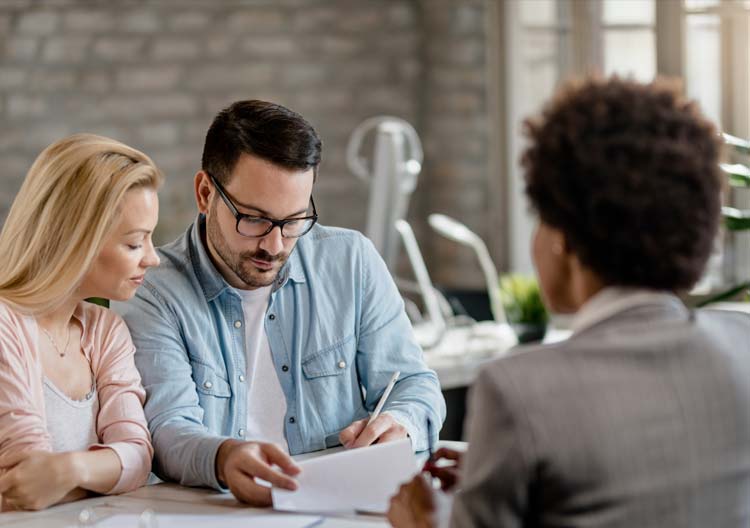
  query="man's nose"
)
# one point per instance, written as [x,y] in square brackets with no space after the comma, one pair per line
[273,242]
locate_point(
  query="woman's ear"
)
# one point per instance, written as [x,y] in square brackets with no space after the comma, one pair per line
[558,246]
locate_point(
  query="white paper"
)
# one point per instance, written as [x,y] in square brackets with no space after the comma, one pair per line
[214,521]
[357,479]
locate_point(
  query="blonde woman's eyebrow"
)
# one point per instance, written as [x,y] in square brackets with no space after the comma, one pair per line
[134,231]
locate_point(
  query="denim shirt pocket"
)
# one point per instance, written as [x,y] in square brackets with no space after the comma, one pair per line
[333,360]
[331,380]
[209,383]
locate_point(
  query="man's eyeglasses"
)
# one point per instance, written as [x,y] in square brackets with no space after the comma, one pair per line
[259,226]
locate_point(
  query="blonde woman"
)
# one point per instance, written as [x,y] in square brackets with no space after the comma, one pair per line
[71,401]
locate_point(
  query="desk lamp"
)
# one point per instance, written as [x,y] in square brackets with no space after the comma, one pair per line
[458,232]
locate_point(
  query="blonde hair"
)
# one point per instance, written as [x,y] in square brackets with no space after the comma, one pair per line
[62,215]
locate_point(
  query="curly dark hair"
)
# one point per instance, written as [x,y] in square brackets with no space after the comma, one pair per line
[629,173]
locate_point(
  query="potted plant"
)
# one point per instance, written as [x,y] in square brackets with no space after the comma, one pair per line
[522,301]
[735,220]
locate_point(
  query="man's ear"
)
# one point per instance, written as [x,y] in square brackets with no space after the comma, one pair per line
[203,191]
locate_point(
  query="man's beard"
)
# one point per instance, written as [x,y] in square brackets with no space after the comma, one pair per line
[240,263]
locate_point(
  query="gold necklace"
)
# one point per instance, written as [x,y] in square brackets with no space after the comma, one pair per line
[54,343]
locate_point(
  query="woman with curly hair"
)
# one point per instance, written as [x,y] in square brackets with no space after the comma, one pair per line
[71,401]
[642,417]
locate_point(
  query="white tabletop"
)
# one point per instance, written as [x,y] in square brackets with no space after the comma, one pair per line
[172,499]
[162,499]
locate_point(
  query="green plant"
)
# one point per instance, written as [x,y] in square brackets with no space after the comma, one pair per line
[522,299]
[728,295]
[738,175]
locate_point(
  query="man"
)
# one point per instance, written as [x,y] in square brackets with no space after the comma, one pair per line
[263,332]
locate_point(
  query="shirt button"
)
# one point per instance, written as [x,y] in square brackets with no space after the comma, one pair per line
[292,420]
[241,433]
[242,378]
[207,384]
[272,317]
[238,324]
[342,364]
[285,368]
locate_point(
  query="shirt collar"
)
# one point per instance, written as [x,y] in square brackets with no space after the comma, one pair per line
[213,283]
[613,300]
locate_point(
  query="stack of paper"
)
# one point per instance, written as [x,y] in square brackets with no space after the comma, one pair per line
[356,480]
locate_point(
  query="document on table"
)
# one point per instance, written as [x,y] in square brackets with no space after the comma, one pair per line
[223,521]
[355,480]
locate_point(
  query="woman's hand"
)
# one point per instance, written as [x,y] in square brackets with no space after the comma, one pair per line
[447,472]
[39,481]
[414,505]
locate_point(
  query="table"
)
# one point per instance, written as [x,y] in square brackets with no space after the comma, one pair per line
[162,499]
[166,498]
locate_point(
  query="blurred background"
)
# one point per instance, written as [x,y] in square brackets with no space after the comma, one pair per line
[462,73]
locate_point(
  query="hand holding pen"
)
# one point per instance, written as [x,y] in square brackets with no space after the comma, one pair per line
[443,464]
[378,428]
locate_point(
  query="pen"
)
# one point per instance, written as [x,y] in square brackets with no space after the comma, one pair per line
[384,397]
[430,450]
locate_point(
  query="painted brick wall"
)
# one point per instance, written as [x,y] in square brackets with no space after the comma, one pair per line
[154,73]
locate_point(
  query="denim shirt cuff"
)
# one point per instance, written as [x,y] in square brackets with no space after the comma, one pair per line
[209,463]
[416,434]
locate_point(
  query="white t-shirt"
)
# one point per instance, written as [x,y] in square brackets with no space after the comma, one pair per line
[266,403]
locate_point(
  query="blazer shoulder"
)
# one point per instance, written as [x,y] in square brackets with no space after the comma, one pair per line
[522,361]
[717,316]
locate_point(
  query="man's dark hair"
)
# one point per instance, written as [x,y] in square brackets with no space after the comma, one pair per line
[628,172]
[266,130]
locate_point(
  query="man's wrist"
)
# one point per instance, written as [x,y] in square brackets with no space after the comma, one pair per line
[401,419]
[225,448]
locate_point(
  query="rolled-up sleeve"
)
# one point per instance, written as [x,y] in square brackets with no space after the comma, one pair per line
[387,344]
[185,451]
[121,425]
[22,423]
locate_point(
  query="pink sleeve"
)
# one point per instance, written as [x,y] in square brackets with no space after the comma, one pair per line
[22,424]
[121,425]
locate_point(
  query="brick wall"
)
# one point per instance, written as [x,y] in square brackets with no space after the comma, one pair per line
[154,73]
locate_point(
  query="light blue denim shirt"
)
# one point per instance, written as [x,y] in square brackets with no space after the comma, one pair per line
[337,331]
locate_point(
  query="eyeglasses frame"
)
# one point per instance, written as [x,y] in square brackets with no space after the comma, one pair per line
[238,216]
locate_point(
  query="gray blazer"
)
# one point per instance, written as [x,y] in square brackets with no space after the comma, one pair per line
[641,420]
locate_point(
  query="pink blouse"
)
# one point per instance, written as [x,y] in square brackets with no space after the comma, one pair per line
[121,424]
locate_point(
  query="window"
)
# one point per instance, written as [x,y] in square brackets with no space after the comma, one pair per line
[549,40]
[703,41]
[629,38]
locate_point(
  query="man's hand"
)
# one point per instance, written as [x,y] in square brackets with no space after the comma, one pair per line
[238,464]
[413,506]
[39,480]
[383,429]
